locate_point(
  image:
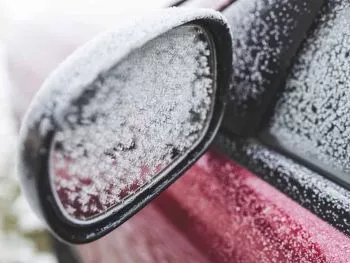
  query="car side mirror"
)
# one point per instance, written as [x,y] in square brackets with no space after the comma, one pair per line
[122,118]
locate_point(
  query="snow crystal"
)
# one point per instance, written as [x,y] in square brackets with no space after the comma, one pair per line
[265,35]
[311,118]
[132,122]
[111,108]
[323,197]
[259,38]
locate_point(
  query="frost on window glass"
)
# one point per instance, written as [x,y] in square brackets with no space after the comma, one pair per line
[132,122]
[266,34]
[312,115]
[263,32]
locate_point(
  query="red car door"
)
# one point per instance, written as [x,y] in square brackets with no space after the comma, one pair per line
[246,200]
[277,210]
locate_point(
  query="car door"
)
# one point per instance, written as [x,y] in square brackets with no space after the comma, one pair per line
[268,191]
[258,195]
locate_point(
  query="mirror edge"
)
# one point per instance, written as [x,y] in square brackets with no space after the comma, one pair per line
[35,181]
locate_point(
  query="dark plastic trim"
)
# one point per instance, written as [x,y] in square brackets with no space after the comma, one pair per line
[298,182]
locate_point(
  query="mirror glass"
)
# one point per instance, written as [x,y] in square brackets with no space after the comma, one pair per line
[132,123]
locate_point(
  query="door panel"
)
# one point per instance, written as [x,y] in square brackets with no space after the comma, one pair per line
[229,215]
[148,237]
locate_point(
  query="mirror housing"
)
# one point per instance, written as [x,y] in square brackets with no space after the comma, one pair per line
[69,82]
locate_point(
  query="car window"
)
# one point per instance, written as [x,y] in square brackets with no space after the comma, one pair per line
[266,35]
[312,115]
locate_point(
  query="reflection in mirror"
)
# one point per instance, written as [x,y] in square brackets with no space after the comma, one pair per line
[133,122]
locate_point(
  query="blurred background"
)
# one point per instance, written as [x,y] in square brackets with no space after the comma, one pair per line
[35,35]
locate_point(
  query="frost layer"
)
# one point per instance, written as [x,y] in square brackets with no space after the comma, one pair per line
[132,122]
[313,114]
[266,34]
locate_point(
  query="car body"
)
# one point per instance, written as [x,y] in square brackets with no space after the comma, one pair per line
[252,197]
[223,212]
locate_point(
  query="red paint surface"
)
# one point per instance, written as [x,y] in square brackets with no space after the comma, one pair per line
[220,212]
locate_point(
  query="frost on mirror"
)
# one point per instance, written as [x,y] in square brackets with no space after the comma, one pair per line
[132,122]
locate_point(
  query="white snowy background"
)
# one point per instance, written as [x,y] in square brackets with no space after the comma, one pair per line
[22,238]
